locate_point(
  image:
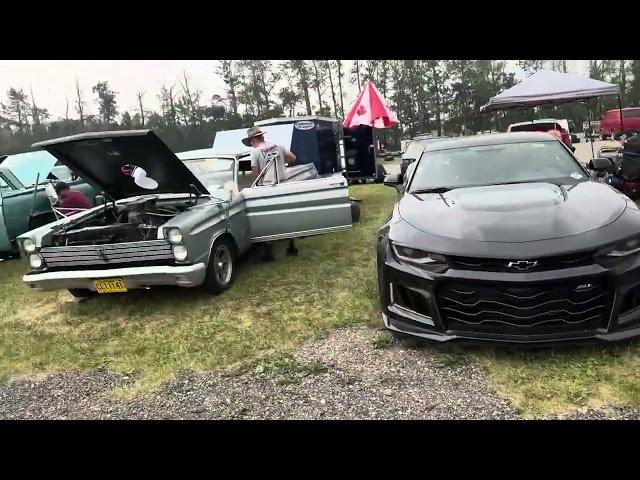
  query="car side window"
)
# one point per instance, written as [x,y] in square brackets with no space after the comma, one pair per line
[246,177]
[4,186]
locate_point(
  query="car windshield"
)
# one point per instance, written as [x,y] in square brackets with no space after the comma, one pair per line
[215,173]
[496,164]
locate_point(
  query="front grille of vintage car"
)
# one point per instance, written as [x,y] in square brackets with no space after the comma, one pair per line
[86,257]
[502,265]
[524,310]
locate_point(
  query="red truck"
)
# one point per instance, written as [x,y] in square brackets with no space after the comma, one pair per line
[610,125]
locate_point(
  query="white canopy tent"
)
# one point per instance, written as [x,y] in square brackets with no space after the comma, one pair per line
[546,87]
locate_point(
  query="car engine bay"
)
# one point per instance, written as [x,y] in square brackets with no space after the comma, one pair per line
[134,221]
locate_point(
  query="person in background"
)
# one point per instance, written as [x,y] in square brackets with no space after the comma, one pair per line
[71,201]
[261,154]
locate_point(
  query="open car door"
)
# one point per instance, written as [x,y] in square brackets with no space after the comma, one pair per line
[288,209]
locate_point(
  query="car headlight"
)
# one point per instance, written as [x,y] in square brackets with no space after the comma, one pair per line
[431,261]
[29,245]
[174,235]
[180,252]
[35,261]
[628,247]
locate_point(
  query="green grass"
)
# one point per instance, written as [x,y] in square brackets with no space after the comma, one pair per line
[272,308]
[558,381]
[156,334]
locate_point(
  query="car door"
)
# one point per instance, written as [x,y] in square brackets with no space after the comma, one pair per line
[288,209]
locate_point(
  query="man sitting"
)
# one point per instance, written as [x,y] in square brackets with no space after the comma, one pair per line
[71,201]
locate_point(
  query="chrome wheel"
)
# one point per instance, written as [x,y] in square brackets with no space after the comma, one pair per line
[222,264]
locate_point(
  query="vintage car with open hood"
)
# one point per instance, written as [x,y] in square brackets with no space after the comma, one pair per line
[172,221]
[24,203]
[505,238]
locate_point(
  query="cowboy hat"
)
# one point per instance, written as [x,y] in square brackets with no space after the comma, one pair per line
[252,132]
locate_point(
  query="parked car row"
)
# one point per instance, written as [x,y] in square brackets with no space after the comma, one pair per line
[500,237]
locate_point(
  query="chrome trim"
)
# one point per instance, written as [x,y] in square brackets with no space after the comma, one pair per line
[305,233]
[398,310]
[154,275]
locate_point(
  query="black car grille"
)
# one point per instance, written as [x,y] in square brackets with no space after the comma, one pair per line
[527,265]
[153,252]
[507,309]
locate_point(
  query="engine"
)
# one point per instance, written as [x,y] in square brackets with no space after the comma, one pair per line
[131,222]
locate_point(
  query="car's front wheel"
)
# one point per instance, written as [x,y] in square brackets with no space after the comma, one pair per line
[221,268]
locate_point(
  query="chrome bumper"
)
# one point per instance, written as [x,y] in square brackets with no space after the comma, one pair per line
[134,277]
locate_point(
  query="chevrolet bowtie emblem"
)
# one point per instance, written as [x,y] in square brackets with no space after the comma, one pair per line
[522,265]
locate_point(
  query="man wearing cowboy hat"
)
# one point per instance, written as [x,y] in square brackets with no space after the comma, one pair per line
[261,154]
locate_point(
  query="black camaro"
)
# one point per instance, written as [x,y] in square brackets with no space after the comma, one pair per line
[505,238]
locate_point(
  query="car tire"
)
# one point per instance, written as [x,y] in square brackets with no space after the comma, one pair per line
[355,212]
[221,269]
[380,174]
[82,292]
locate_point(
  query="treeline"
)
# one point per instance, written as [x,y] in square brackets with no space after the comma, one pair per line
[427,95]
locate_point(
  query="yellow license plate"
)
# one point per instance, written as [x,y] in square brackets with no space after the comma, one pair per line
[110,285]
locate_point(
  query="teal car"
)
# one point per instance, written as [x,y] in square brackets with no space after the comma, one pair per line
[23,205]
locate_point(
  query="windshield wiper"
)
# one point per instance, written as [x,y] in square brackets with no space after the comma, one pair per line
[432,190]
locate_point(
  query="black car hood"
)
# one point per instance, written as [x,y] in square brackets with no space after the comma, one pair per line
[108,160]
[513,213]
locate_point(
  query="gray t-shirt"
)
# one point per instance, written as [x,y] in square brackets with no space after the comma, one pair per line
[261,156]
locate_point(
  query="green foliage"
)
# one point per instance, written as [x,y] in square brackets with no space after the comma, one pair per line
[426,95]
[106,102]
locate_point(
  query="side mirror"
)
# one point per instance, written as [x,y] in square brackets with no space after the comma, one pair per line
[393,180]
[600,164]
[573,149]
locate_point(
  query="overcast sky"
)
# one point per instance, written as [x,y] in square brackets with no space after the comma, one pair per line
[54,80]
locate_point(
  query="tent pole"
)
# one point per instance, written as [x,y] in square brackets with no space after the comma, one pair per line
[590,131]
[620,108]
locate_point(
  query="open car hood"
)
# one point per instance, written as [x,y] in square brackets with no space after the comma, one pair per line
[124,163]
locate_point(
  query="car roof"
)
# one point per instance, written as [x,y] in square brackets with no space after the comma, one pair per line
[541,120]
[482,140]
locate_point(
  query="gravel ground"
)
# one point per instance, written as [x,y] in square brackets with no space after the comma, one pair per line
[349,379]
[339,377]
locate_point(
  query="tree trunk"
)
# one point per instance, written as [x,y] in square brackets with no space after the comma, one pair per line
[438,106]
[333,94]
[316,84]
[358,75]
[80,102]
[623,81]
[340,86]
[140,94]
[232,89]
